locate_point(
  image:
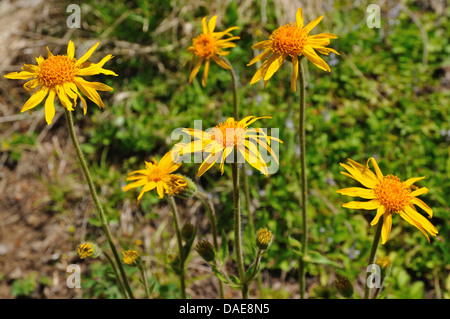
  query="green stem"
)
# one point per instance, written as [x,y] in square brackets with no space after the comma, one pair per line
[99,207]
[234,84]
[237,228]
[255,269]
[373,251]
[144,279]
[302,263]
[212,218]
[121,286]
[174,212]
[251,223]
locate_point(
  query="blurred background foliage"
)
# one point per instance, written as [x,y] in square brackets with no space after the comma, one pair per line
[387,97]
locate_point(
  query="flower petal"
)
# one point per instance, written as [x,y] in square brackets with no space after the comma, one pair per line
[420,191]
[387,226]
[421,204]
[71,49]
[35,99]
[358,192]
[380,212]
[299,18]
[87,55]
[212,24]
[312,24]
[294,73]
[50,107]
[370,205]
[275,65]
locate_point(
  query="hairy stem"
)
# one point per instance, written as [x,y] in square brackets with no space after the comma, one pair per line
[176,223]
[373,251]
[99,207]
[302,263]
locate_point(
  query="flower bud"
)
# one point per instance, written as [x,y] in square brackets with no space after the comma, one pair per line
[344,286]
[206,250]
[188,231]
[188,188]
[384,262]
[88,250]
[131,257]
[263,238]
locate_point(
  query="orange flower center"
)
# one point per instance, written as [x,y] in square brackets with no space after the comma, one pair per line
[289,39]
[156,174]
[204,45]
[57,70]
[393,194]
[229,134]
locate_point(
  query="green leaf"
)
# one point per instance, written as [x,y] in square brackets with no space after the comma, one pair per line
[317,258]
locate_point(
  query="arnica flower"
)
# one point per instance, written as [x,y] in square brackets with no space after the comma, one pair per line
[388,195]
[384,262]
[130,257]
[263,238]
[209,46]
[62,75]
[159,176]
[87,250]
[220,142]
[292,40]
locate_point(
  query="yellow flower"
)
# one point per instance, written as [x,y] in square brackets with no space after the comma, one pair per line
[209,45]
[87,250]
[388,195]
[130,257]
[384,262]
[61,75]
[263,238]
[223,139]
[292,40]
[157,175]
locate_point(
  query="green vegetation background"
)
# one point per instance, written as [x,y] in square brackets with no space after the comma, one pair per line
[385,97]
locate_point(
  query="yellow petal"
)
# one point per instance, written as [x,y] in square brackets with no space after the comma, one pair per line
[420,191]
[71,49]
[136,184]
[35,99]
[375,166]
[370,205]
[195,69]
[88,91]
[312,24]
[294,73]
[312,56]
[212,24]
[220,62]
[62,95]
[260,57]
[299,18]
[262,45]
[50,107]
[380,212]
[421,204]
[87,55]
[387,226]
[274,66]
[205,73]
[23,75]
[357,175]
[206,165]
[160,189]
[411,181]
[204,26]
[358,192]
